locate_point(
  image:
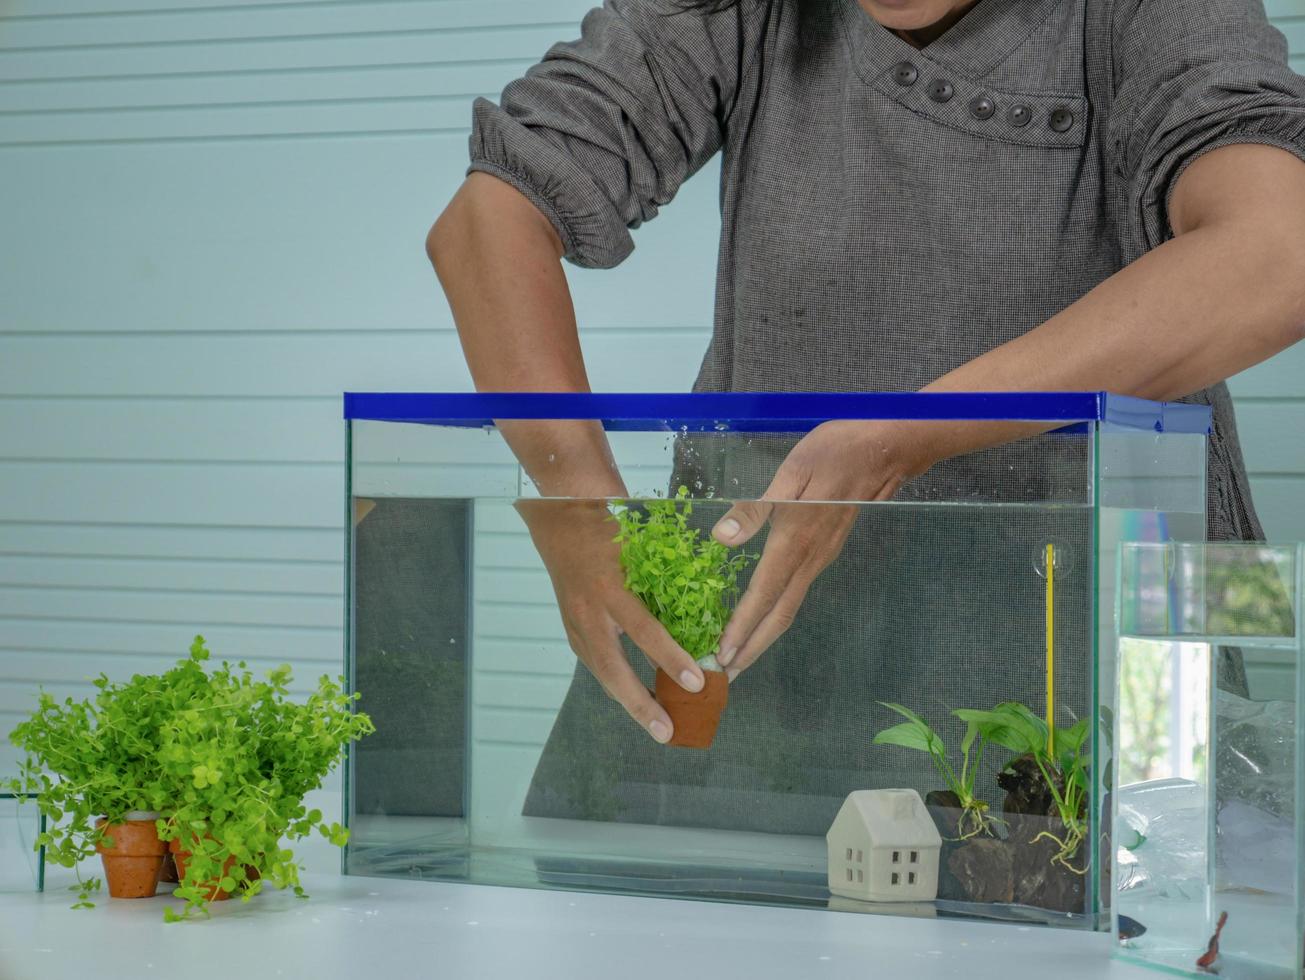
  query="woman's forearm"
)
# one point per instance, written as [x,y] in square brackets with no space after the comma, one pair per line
[498,259]
[1226,293]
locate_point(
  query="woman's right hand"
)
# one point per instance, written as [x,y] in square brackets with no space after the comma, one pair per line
[576,540]
[498,257]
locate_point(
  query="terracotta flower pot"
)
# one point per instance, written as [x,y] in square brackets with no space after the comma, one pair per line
[132,855]
[695,716]
[215,894]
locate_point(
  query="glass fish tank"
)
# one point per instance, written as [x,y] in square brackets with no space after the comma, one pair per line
[1209,800]
[911,723]
[22,861]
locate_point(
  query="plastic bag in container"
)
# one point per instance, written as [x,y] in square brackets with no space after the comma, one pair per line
[1255,788]
[1162,838]
[1256,753]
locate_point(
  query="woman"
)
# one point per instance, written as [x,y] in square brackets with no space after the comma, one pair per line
[916,195]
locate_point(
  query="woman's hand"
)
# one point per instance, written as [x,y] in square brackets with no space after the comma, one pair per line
[837,461]
[576,541]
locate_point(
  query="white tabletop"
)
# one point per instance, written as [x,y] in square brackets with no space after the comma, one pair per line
[369,928]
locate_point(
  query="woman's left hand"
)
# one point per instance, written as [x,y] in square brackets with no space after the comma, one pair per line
[838,461]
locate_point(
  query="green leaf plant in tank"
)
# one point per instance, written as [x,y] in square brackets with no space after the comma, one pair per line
[915,733]
[685,578]
[1062,759]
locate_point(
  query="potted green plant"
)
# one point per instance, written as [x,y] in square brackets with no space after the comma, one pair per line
[689,581]
[92,766]
[975,864]
[211,765]
[1047,784]
[1034,853]
[237,757]
[973,818]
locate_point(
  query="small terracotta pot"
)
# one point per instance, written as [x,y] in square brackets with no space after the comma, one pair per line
[132,855]
[695,716]
[215,894]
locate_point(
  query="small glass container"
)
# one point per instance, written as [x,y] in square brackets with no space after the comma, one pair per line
[22,863]
[1208,816]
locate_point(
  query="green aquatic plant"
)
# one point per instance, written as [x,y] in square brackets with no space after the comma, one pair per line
[1062,758]
[915,733]
[686,579]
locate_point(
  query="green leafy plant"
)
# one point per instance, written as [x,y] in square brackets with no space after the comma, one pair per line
[237,757]
[226,759]
[915,733]
[1062,759]
[686,579]
[90,759]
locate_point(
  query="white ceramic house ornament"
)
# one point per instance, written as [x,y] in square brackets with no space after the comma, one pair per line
[884,847]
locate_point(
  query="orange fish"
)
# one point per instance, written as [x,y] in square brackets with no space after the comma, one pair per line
[1207,960]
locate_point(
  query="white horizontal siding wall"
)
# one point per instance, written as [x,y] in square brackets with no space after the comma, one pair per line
[211,217]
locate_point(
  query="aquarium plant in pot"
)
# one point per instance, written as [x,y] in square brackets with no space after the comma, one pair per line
[1047,786]
[238,755]
[689,581]
[1035,853]
[92,765]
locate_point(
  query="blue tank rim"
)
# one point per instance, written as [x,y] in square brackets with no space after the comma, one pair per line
[775,411]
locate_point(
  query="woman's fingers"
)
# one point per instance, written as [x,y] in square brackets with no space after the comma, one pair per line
[608,665]
[804,539]
[774,624]
[741,522]
[769,581]
[651,637]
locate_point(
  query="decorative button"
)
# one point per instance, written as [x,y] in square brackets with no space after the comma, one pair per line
[1061,120]
[905,74]
[1019,115]
[982,107]
[941,91]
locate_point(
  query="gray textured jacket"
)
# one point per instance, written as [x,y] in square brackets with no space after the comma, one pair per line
[888,214]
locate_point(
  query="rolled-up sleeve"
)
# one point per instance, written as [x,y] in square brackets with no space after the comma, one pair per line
[602,132]
[1191,76]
